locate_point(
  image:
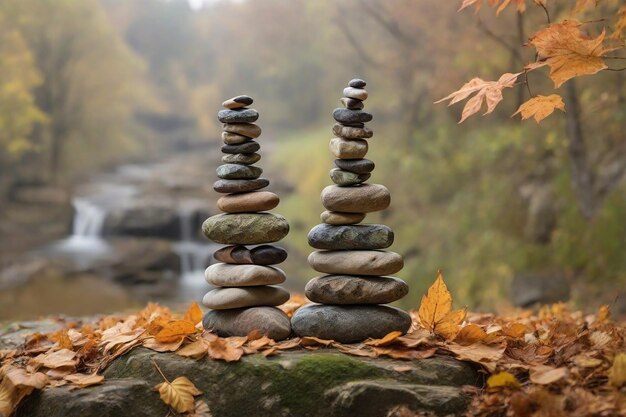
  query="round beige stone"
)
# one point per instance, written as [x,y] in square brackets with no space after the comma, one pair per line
[365,198]
[228,275]
[337,218]
[227,298]
[246,129]
[357,262]
[233,138]
[348,148]
[254,201]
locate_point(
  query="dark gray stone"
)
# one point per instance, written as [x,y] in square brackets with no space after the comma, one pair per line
[240,186]
[238,172]
[345,178]
[350,289]
[238,115]
[349,323]
[246,147]
[352,132]
[259,255]
[245,228]
[271,321]
[358,166]
[357,83]
[351,103]
[347,116]
[351,237]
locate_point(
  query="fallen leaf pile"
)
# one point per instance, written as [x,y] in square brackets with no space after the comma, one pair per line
[554,362]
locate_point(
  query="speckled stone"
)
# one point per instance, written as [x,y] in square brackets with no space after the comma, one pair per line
[357,83]
[227,298]
[259,255]
[245,148]
[338,218]
[241,158]
[352,132]
[356,93]
[345,178]
[352,104]
[348,148]
[245,228]
[229,275]
[349,289]
[270,321]
[238,116]
[347,116]
[246,129]
[350,237]
[240,186]
[356,262]
[233,138]
[248,202]
[349,323]
[238,102]
[238,172]
[358,166]
[365,198]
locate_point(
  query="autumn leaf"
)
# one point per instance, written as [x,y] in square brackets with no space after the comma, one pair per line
[545,375]
[15,384]
[620,25]
[193,314]
[486,91]
[568,52]
[196,350]
[84,380]
[222,349]
[540,107]
[502,379]
[175,330]
[178,394]
[63,358]
[202,410]
[617,373]
[434,312]
[388,339]
[470,334]
[487,356]
[520,5]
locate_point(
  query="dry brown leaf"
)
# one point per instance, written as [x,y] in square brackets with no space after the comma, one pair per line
[202,410]
[178,394]
[15,384]
[600,339]
[502,379]
[62,339]
[196,350]
[223,350]
[545,375]
[388,339]
[617,373]
[112,338]
[449,325]
[568,52]
[288,344]
[470,334]
[85,380]
[175,330]
[153,344]
[484,355]
[193,314]
[515,330]
[620,24]
[540,107]
[402,368]
[585,361]
[312,341]
[63,358]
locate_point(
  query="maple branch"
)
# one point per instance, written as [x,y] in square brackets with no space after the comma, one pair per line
[614,57]
[545,9]
[511,48]
[615,69]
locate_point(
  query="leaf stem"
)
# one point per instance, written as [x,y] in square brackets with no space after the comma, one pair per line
[159,370]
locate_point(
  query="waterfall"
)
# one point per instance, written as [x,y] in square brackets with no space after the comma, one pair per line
[88,218]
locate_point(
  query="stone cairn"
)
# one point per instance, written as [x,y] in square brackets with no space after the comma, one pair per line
[351,254]
[245,297]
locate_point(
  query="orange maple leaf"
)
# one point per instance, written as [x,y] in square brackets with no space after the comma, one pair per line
[540,107]
[568,52]
[486,91]
[435,312]
[175,330]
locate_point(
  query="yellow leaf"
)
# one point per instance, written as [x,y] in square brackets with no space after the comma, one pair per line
[617,373]
[470,334]
[193,314]
[178,394]
[568,52]
[389,338]
[515,330]
[586,361]
[175,330]
[545,375]
[436,303]
[603,314]
[503,379]
[196,350]
[449,325]
[84,380]
[540,107]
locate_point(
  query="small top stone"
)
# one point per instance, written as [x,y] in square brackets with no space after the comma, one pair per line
[357,83]
[238,102]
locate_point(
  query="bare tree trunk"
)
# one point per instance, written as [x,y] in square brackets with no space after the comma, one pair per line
[582,176]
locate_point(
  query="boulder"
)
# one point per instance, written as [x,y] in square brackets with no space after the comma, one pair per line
[143,220]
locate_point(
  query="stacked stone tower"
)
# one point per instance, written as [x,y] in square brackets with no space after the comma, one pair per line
[351,255]
[246,295]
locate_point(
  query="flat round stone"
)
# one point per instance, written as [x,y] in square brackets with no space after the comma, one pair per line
[238,116]
[241,158]
[240,186]
[245,148]
[248,202]
[238,102]
[246,129]
[358,166]
[351,103]
[352,132]
[347,116]
[357,262]
[346,178]
[350,237]
[229,275]
[348,148]
[233,138]
[365,198]
[357,83]
[348,289]
[357,93]
[338,218]
[270,321]
[227,298]
[349,323]
[238,172]
[245,228]
[259,255]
